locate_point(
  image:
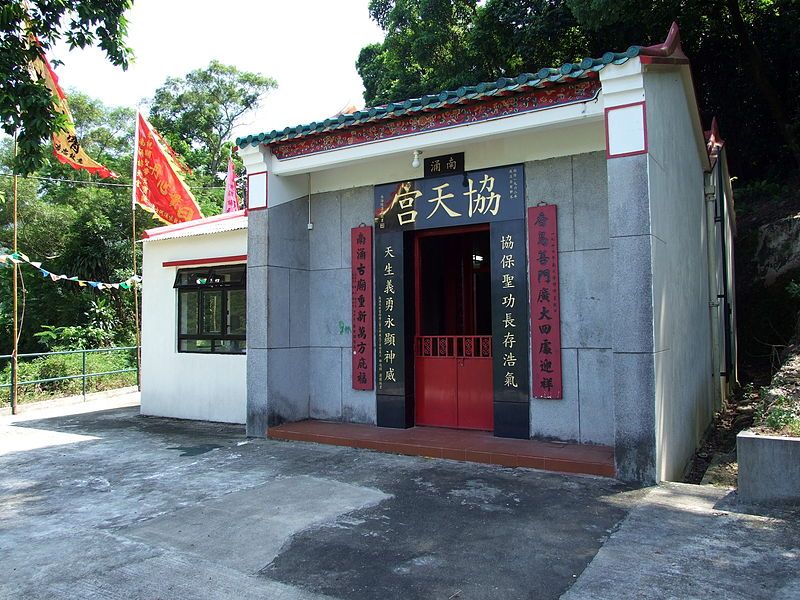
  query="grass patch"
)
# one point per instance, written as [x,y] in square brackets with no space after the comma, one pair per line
[61,365]
[778,414]
[778,407]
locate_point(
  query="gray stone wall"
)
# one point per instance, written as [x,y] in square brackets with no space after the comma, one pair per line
[631,319]
[577,185]
[277,324]
[331,394]
[299,342]
[257,323]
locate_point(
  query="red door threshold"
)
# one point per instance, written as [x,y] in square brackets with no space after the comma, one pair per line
[455,444]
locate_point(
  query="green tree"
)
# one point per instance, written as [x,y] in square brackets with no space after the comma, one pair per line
[745,51]
[744,56]
[197,113]
[25,104]
[75,227]
[426,48]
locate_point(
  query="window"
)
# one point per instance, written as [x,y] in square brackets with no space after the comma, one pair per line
[212,309]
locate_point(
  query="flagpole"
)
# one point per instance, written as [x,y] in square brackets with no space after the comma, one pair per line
[15,335]
[133,254]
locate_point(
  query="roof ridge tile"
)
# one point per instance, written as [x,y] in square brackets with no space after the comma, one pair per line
[546,76]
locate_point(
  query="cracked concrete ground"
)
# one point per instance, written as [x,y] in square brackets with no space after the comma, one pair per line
[108,504]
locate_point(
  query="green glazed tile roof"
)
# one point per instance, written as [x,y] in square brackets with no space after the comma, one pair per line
[505,85]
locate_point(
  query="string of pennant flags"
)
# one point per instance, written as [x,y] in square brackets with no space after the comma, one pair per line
[19,257]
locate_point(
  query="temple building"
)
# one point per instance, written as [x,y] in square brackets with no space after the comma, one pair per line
[546,258]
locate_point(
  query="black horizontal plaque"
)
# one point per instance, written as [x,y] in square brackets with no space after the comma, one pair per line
[481,196]
[447,164]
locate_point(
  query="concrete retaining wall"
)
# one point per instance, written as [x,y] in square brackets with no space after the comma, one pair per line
[769,469]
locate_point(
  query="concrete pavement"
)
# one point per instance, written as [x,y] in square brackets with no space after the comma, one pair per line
[108,504]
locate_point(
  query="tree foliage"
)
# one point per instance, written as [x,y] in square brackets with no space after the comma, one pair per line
[744,56]
[75,229]
[197,113]
[25,103]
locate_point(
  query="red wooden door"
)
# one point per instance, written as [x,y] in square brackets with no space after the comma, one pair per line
[474,382]
[436,379]
[454,381]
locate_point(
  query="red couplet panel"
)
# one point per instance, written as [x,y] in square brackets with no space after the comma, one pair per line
[545,301]
[361,268]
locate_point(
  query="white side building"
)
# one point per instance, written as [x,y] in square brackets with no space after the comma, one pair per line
[193,320]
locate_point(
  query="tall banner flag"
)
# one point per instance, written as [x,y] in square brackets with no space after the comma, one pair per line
[66,147]
[159,187]
[231,197]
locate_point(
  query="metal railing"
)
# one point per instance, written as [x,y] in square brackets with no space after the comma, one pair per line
[83,376]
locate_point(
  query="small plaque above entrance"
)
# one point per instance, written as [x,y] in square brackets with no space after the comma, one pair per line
[447,164]
[470,198]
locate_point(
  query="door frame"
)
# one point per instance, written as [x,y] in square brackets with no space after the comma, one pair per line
[419,235]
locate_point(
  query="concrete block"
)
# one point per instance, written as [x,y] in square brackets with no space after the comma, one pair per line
[628,196]
[631,294]
[288,234]
[769,469]
[586,306]
[325,383]
[288,389]
[257,238]
[590,200]
[551,181]
[357,208]
[358,406]
[256,307]
[257,409]
[298,308]
[634,411]
[559,419]
[325,240]
[596,392]
[330,308]
[277,308]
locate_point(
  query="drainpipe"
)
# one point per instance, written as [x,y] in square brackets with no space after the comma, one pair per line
[713,300]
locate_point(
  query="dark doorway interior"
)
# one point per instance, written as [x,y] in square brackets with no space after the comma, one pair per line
[454,293]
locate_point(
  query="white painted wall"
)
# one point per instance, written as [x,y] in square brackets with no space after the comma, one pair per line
[186,386]
[682,325]
[585,134]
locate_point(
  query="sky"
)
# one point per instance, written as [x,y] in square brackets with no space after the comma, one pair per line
[309,46]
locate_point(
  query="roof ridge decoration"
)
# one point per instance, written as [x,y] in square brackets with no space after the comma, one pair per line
[585,71]
[714,141]
[671,47]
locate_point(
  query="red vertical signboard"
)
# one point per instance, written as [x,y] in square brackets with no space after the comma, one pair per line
[545,302]
[361,268]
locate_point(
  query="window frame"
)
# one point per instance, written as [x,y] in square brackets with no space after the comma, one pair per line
[202,290]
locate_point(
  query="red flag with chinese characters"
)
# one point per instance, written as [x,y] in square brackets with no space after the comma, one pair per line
[231,197]
[66,147]
[160,189]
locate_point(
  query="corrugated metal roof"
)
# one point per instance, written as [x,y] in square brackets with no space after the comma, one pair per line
[216,224]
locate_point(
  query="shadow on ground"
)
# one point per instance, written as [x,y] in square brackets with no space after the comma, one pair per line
[146,507]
